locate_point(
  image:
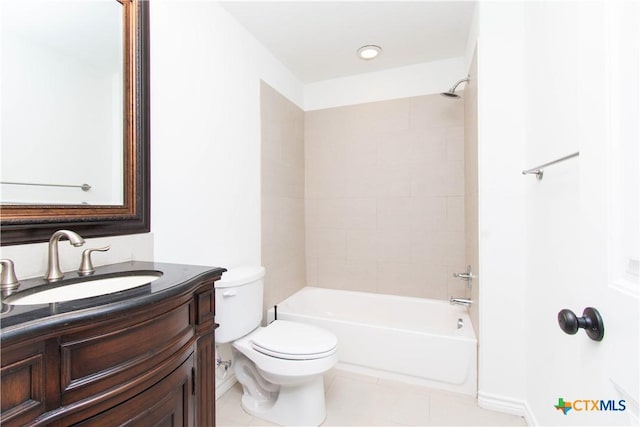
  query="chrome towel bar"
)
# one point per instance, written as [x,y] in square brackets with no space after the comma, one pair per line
[539,170]
[84,187]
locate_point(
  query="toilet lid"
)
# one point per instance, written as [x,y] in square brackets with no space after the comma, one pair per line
[294,341]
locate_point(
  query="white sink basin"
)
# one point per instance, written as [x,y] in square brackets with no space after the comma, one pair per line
[85,289]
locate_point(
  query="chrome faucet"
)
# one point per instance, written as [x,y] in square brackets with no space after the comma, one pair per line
[53,266]
[460,301]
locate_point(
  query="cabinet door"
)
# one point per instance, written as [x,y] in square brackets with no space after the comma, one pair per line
[169,403]
[23,382]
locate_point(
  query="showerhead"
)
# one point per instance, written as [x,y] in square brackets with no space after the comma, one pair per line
[451,93]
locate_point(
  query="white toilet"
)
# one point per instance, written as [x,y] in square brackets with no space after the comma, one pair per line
[280,366]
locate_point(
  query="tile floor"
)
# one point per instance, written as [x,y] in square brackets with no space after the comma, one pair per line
[359,400]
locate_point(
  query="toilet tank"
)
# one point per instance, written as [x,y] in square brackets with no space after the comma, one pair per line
[238,302]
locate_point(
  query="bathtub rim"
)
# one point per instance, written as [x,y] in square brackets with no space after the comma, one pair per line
[469,329]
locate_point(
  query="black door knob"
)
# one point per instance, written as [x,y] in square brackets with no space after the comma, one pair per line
[591,322]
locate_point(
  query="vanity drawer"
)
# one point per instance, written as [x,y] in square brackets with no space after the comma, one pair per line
[205,304]
[92,362]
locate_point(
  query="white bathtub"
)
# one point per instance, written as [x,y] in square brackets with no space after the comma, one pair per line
[409,339]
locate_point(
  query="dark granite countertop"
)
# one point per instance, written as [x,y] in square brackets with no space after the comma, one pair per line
[16,321]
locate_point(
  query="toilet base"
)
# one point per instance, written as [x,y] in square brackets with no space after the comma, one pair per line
[295,405]
[288,392]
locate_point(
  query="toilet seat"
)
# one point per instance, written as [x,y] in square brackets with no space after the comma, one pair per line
[294,341]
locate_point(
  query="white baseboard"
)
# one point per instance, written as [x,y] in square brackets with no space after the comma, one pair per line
[225,385]
[506,405]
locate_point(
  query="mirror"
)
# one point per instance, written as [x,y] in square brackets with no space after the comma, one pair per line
[62,100]
[74,118]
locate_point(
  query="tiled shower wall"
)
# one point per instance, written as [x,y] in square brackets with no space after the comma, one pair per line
[384,197]
[283,231]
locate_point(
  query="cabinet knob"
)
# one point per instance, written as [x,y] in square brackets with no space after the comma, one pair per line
[591,322]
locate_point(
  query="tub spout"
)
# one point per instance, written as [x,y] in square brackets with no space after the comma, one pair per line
[460,301]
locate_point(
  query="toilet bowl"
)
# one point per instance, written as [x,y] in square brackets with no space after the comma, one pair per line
[279,366]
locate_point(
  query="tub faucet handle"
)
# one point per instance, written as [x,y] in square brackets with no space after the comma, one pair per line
[467,275]
[86,266]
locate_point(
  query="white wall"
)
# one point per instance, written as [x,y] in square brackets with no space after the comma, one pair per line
[402,82]
[205,132]
[501,377]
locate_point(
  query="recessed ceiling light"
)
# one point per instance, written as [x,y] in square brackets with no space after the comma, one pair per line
[369,52]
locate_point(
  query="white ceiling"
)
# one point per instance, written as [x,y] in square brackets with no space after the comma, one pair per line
[317,40]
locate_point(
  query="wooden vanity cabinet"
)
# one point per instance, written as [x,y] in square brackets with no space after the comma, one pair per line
[152,365]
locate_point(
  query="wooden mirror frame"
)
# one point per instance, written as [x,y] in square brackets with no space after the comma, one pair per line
[35,223]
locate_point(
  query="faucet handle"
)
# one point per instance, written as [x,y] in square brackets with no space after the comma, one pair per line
[467,275]
[8,279]
[86,266]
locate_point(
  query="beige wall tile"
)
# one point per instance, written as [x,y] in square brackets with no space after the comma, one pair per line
[401,278]
[455,214]
[279,179]
[455,143]
[443,179]
[362,245]
[326,242]
[428,148]
[428,213]
[283,204]
[367,197]
[348,213]
[390,176]
[392,181]
[436,283]
[347,275]
[395,148]
[396,213]
[312,271]
[344,166]
[394,245]
[435,110]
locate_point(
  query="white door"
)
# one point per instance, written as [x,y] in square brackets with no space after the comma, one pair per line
[583,217]
[622,29]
